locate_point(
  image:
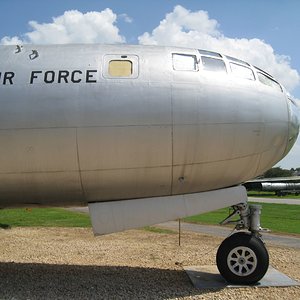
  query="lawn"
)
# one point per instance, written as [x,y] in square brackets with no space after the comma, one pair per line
[47,217]
[277,217]
[283,218]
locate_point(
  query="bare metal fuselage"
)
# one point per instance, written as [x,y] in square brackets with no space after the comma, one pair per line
[71,134]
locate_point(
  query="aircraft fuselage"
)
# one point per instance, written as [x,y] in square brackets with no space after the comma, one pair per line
[87,123]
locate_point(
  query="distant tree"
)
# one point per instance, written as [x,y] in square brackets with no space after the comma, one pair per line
[278,172]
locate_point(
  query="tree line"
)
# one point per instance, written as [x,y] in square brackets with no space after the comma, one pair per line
[279,172]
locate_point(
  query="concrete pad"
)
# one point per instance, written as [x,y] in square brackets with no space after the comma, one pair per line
[208,277]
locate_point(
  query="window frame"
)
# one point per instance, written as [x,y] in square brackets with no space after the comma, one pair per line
[207,53]
[213,71]
[242,66]
[134,59]
[276,87]
[196,62]
[237,61]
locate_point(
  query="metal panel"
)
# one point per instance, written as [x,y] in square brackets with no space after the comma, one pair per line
[107,102]
[119,104]
[38,150]
[270,158]
[124,147]
[215,142]
[276,134]
[186,110]
[126,183]
[213,175]
[272,103]
[221,126]
[116,216]
[202,103]
[25,189]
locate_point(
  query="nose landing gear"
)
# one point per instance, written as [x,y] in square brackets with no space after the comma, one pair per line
[242,258]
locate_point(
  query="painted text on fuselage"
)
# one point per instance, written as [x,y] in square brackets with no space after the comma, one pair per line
[52,76]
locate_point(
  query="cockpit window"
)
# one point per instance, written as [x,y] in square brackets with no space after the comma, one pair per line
[209,53]
[241,71]
[268,81]
[185,62]
[213,64]
[264,72]
[237,60]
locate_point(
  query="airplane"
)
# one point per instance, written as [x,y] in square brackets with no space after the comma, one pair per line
[143,135]
[280,185]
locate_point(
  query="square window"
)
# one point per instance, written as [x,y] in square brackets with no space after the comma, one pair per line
[185,62]
[120,68]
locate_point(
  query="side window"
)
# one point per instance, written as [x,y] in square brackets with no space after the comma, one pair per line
[268,81]
[120,66]
[213,64]
[184,62]
[241,71]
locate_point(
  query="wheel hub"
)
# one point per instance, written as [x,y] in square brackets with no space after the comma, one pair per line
[242,261]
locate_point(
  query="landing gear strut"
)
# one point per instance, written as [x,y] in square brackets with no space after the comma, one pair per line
[242,258]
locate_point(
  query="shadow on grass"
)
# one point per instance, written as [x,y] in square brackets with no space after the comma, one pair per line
[5,226]
[48,281]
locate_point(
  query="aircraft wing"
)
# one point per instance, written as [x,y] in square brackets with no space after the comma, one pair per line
[274,184]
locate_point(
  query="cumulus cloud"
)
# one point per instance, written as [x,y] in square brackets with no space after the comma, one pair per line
[73,27]
[197,30]
[126,18]
[11,40]
[181,27]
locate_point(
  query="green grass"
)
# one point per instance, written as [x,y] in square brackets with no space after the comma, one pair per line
[47,217]
[277,217]
[53,217]
[270,195]
[283,218]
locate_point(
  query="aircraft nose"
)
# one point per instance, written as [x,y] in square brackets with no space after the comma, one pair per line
[294,122]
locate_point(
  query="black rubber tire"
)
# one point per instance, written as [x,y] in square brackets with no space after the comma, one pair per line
[259,252]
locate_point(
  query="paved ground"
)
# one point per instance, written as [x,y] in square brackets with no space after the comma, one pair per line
[222,231]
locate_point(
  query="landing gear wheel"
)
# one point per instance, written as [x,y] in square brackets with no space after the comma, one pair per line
[242,258]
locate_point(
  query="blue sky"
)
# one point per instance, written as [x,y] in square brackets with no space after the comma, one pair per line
[275,21]
[257,24]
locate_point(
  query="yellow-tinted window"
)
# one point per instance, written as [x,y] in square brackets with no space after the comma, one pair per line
[120,68]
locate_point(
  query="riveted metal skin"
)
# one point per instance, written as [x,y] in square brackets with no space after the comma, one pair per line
[70,134]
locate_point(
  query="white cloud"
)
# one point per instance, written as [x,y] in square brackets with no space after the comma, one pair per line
[10,40]
[196,30]
[126,18]
[181,27]
[73,27]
